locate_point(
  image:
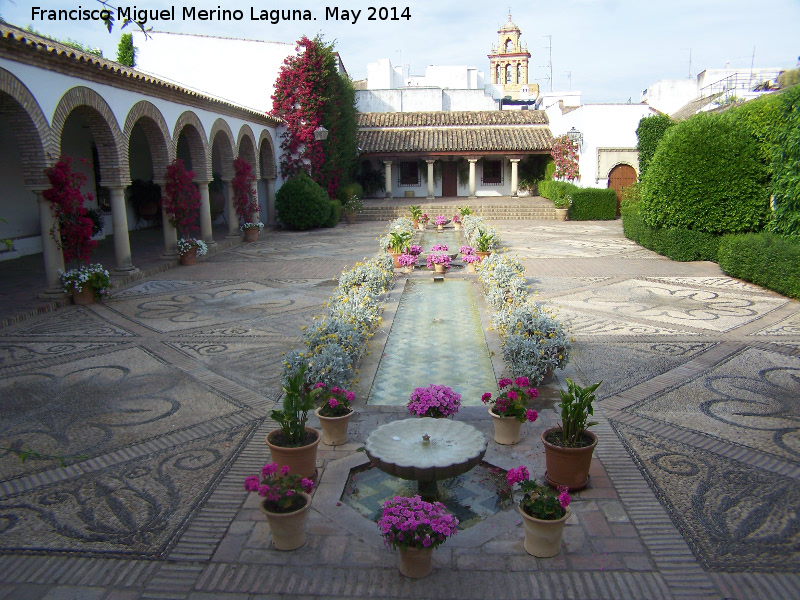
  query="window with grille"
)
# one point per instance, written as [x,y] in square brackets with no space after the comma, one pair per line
[492,172]
[409,173]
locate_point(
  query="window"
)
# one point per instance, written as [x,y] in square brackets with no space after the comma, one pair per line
[409,173]
[519,73]
[508,73]
[509,45]
[492,172]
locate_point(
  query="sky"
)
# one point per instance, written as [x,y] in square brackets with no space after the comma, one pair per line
[610,50]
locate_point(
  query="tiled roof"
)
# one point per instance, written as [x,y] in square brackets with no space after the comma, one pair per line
[455,139]
[693,107]
[453,118]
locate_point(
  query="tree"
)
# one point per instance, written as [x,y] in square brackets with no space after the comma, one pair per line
[649,132]
[309,93]
[70,214]
[181,200]
[126,51]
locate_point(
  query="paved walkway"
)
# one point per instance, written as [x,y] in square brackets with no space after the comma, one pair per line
[157,401]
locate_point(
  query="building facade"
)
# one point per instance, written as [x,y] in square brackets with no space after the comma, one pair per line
[508,63]
[118,125]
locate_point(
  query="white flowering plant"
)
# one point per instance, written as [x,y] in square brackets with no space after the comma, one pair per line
[186,244]
[93,276]
[260,226]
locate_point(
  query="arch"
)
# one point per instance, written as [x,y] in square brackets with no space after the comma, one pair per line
[497,74]
[189,125]
[509,45]
[519,73]
[508,74]
[246,145]
[266,156]
[29,125]
[100,119]
[224,145]
[620,163]
[619,177]
[156,131]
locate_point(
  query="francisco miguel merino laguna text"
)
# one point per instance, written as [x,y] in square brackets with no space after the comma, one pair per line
[191,13]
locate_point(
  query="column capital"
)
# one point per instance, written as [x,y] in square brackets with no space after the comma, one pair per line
[473,159]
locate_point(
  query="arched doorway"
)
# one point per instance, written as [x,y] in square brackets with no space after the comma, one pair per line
[619,178]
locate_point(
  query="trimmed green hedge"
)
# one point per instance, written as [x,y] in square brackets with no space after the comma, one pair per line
[593,204]
[336,214]
[649,133]
[706,175]
[766,259]
[349,190]
[301,203]
[678,244]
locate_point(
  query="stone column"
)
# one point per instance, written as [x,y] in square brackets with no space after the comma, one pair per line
[122,242]
[230,211]
[51,253]
[472,162]
[388,165]
[170,233]
[206,233]
[430,179]
[272,219]
[514,176]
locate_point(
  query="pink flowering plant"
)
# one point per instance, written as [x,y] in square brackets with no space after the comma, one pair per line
[456,219]
[407,260]
[434,401]
[539,501]
[415,250]
[471,259]
[441,220]
[438,259]
[512,401]
[439,248]
[565,156]
[467,250]
[336,402]
[424,218]
[414,523]
[282,491]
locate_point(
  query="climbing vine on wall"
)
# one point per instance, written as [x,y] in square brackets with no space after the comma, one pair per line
[309,93]
[565,156]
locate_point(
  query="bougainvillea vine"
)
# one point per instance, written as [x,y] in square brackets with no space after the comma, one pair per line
[244,198]
[72,220]
[181,198]
[565,157]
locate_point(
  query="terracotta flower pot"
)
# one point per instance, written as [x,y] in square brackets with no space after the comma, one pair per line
[482,254]
[84,297]
[396,258]
[421,226]
[288,530]
[437,268]
[302,460]
[567,466]
[190,256]
[350,216]
[506,429]
[334,429]
[543,538]
[440,227]
[416,562]
[251,234]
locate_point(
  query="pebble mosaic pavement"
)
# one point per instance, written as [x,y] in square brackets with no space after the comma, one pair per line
[158,402]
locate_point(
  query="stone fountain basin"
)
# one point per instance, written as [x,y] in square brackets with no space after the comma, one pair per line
[398,448]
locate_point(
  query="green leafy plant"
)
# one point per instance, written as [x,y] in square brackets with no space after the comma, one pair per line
[297,401]
[399,241]
[592,204]
[576,406]
[484,241]
[93,276]
[539,501]
[416,211]
[464,210]
[126,51]
[301,203]
[649,133]
[353,204]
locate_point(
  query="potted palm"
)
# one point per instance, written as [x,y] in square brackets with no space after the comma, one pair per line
[416,213]
[399,242]
[543,512]
[415,527]
[294,444]
[334,414]
[484,243]
[568,448]
[286,502]
[509,410]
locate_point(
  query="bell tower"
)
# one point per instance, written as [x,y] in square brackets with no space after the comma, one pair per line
[508,63]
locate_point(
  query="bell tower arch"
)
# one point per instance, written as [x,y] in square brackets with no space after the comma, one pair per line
[508,62]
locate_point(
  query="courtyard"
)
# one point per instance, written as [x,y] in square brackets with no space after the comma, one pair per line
[157,402]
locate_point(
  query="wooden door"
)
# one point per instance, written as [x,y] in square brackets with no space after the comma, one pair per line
[449,178]
[621,177]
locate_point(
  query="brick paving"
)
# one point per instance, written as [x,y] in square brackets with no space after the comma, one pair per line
[218,328]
